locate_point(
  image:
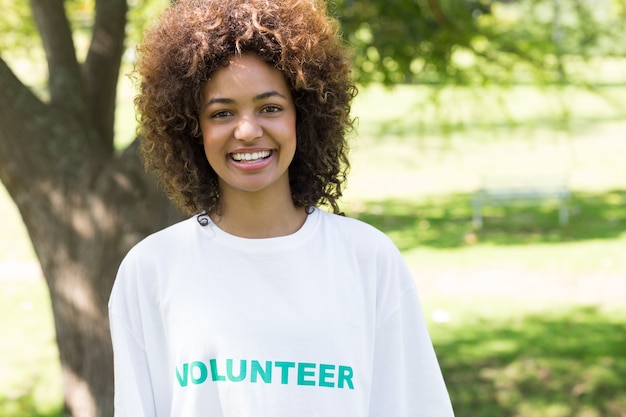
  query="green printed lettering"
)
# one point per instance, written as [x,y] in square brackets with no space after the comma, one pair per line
[327,372]
[242,370]
[215,376]
[308,373]
[345,376]
[303,373]
[182,379]
[201,367]
[284,366]
[265,374]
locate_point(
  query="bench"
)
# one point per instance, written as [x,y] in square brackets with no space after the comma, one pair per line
[521,190]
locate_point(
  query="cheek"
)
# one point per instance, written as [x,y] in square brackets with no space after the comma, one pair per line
[291,132]
[212,149]
[212,137]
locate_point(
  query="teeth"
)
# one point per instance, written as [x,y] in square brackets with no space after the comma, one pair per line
[251,156]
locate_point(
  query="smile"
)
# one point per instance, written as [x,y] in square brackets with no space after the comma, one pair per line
[254,156]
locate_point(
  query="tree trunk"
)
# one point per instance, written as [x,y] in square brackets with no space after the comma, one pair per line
[80,237]
[83,203]
[80,234]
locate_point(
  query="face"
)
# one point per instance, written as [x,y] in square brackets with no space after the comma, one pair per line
[248,123]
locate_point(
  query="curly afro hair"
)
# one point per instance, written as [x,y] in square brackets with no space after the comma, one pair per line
[194,38]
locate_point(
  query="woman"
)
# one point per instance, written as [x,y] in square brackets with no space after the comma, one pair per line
[262,304]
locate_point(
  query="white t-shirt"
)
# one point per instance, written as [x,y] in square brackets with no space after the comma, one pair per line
[321,323]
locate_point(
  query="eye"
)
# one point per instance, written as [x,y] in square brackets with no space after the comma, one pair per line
[271,108]
[221,114]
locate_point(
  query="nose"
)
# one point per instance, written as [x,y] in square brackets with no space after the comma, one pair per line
[248,129]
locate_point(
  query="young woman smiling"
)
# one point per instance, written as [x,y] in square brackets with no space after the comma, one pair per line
[261,304]
[248,124]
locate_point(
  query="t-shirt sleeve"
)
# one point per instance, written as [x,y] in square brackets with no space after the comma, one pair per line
[407,380]
[133,388]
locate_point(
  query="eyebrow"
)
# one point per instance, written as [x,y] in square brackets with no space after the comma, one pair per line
[262,96]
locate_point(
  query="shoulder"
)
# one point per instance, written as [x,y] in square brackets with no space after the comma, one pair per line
[344,223]
[370,249]
[153,256]
[356,233]
[166,240]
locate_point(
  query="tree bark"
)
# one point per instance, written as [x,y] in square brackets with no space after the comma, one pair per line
[84,204]
[80,236]
[101,67]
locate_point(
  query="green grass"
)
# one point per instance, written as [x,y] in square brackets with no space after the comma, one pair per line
[532,234]
[30,383]
[408,149]
[527,317]
[553,364]
[14,243]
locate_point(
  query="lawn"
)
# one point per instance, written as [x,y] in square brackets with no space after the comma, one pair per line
[527,316]
[29,366]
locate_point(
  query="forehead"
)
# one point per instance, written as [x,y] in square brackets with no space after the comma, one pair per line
[245,74]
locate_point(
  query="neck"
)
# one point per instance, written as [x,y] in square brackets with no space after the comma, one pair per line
[257,218]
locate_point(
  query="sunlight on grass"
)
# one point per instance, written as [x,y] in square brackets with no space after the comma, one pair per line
[29,366]
[15,245]
[406,147]
[560,364]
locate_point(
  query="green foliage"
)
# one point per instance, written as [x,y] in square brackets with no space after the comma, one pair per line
[80,14]
[19,33]
[399,40]
[17,28]
[473,42]
[477,41]
[141,14]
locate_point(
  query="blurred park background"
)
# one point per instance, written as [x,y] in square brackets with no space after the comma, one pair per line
[528,315]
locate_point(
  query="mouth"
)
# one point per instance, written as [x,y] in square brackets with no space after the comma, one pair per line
[250,156]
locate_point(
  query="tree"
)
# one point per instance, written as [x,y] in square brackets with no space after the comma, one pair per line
[83,203]
[477,42]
